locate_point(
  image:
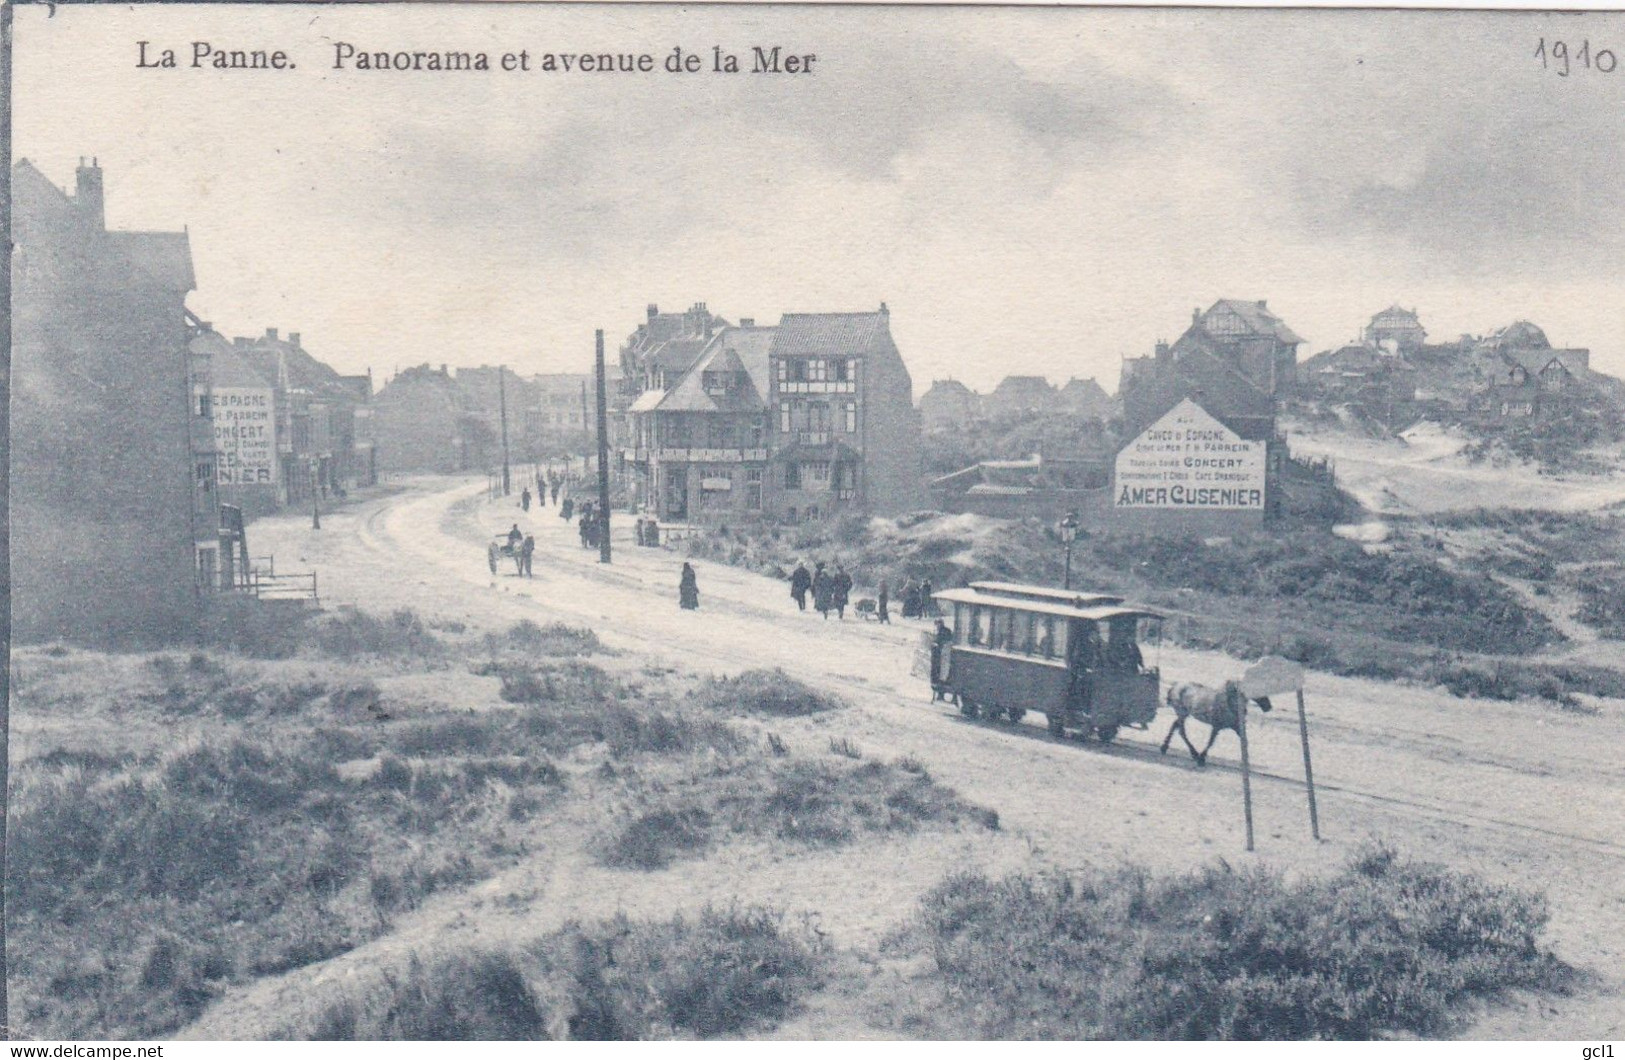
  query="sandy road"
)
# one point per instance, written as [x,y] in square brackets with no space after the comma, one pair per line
[1522,793]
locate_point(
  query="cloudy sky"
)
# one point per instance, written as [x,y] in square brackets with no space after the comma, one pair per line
[1033,190]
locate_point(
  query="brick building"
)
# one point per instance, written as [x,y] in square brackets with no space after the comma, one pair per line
[115,520]
[949,406]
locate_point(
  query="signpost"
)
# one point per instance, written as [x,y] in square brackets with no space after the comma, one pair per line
[1273,676]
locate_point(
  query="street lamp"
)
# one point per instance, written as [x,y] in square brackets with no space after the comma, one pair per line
[1069,534]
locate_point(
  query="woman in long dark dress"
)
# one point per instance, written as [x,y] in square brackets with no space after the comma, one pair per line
[688,590]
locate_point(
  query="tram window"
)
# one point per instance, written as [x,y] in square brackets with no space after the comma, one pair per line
[1021,634]
[978,616]
[1044,635]
[1058,649]
[961,623]
[998,629]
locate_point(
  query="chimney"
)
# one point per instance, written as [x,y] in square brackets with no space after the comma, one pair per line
[1196,316]
[293,339]
[747,322]
[1263,304]
[654,310]
[1162,352]
[89,194]
[270,333]
[884,311]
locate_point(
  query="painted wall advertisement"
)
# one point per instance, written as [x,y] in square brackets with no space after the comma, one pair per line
[1190,460]
[245,436]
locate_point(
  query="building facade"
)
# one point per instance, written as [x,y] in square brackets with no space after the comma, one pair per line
[417,423]
[115,519]
[798,422]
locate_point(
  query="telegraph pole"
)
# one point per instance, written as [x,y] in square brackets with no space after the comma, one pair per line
[502,401]
[603,457]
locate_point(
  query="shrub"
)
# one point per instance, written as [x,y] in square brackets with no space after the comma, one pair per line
[770,692]
[555,638]
[719,973]
[1386,945]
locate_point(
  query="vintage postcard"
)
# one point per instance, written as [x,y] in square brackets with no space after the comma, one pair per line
[796,522]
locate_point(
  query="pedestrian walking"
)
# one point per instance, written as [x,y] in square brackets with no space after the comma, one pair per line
[821,585]
[567,511]
[654,532]
[524,499]
[942,638]
[841,591]
[800,582]
[688,589]
[880,604]
[526,552]
[556,491]
[911,598]
[491,553]
[928,606]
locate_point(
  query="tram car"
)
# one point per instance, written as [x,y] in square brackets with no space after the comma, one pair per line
[1075,657]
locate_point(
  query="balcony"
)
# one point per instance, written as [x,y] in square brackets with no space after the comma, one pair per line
[709,456]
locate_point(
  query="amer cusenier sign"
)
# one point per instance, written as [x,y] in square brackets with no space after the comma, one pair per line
[1189,460]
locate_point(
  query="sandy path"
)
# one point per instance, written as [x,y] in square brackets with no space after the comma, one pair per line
[1519,792]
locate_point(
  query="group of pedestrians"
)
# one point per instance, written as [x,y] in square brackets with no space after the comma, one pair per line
[591,526]
[647,531]
[831,590]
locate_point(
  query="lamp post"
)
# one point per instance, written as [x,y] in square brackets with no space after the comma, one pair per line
[1069,534]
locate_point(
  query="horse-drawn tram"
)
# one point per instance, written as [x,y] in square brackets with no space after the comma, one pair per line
[1073,656]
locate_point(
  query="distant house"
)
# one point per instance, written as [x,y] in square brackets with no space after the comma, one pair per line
[1020,396]
[1359,373]
[847,436]
[949,405]
[418,421]
[700,448]
[1396,330]
[1524,374]
[1247,337]
[1085,397]
[324,429]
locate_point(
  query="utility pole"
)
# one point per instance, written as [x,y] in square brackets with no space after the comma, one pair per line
[585,419]
[502,401]
[603,457]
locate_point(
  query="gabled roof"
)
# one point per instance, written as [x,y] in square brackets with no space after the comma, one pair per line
[226,368]
[676,355]
[1396,317]
[1519,335]
[1259,321]
[822,334]
[1536,360]
[730,350]
[1024,384]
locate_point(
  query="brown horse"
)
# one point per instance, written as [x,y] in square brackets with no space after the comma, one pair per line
[1218,709]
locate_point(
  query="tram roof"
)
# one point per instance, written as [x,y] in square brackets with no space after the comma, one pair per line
[1089,613]
[1044,593]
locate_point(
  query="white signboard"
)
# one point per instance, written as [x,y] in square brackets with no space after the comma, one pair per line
[245,436]
[1189,460]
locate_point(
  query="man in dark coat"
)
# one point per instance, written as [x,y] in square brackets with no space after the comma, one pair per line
[841,591]
[524,499]
[688,589]
[568,509]
[822,584]
[928,606]
[800,582]
[880,604]
[526,551]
